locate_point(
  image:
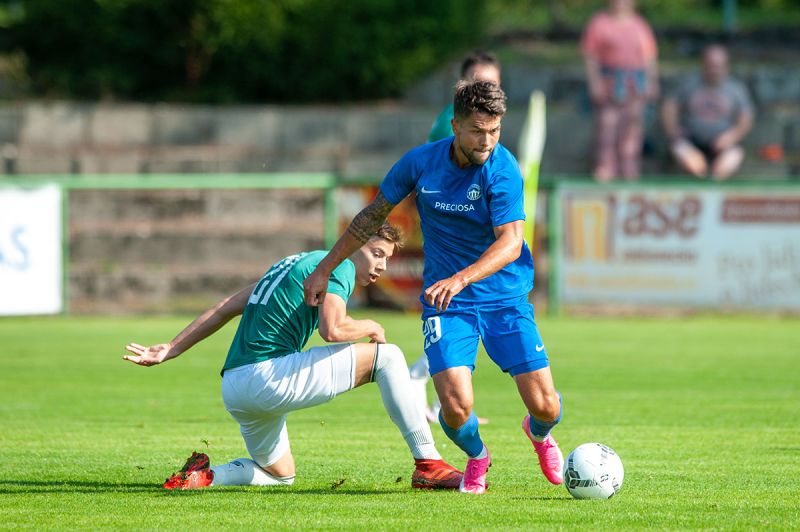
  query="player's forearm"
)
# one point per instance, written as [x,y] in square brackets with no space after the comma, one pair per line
[500,254]
[344,247]
[208,322]
[349,330]
[361,229]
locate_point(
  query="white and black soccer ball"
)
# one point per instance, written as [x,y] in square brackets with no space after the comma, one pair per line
[593,471]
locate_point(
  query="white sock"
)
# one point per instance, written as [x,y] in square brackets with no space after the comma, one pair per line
[484,454]
[245,472]
[391,374]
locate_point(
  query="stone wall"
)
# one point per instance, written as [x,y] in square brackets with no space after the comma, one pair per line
[181,250]
[353,141]
[137,251]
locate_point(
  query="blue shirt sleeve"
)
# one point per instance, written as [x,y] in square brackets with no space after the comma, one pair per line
[506,196]
[400,180]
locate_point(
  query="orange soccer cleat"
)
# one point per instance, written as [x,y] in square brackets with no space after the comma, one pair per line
[195,474]
[435,475]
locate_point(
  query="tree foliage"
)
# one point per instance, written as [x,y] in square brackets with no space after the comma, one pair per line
[235,50]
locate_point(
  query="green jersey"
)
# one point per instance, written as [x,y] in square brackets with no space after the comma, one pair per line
[276,321]
[442,127]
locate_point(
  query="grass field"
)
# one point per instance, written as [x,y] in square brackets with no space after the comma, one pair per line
[704,413]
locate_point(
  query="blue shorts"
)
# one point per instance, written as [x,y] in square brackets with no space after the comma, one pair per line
[507,329]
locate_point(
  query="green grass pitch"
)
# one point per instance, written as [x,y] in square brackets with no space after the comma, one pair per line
[704,412]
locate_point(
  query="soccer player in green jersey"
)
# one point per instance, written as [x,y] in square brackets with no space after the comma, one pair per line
[267,375]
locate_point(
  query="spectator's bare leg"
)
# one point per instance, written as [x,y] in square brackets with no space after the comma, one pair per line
[631,136]
[605,139]
[689,158]
[727,162]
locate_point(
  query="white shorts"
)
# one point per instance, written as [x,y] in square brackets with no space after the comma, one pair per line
[259,396]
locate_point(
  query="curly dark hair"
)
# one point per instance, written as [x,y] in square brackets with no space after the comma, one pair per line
[478,96]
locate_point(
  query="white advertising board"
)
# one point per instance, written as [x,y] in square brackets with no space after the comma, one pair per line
[681,246]
[30,250]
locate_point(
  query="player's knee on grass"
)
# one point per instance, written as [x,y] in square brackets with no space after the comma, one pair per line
[245,472]
[283,467]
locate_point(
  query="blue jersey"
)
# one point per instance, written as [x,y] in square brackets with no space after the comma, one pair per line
[458,209]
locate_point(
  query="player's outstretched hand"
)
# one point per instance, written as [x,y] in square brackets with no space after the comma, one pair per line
[147,356]
[314,288]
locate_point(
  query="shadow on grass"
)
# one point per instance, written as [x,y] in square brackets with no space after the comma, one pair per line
[75,486]
[541,498]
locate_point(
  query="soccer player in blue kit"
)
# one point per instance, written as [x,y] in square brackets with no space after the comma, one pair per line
[477,275]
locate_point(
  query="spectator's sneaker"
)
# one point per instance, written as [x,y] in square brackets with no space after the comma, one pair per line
[550,458]
[475,475]
[435,475]
[196,473]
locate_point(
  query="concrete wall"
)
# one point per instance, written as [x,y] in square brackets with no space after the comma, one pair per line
[181,250]
[354,141]
[137,251]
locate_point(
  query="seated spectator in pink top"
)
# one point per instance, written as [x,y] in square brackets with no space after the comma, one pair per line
[707,117]
[620,55]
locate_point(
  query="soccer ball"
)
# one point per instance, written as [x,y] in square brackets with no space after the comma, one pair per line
[593,471]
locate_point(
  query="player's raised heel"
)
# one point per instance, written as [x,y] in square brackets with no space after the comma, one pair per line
[550,458]
[196,473]
[475,475]
[435,475]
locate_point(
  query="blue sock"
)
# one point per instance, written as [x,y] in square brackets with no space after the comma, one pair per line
[540,428]
[466,436]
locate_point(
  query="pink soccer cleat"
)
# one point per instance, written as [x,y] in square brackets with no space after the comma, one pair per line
[474,480]
[550,458]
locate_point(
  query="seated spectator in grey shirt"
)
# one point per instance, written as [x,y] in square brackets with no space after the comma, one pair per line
[706,118]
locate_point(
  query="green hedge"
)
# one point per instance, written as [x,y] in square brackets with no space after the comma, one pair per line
[235,50]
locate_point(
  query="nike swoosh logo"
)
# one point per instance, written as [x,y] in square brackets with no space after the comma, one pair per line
[429,191]
[539,348]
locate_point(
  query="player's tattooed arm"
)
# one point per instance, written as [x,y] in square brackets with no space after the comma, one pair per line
[363,226]
[370,218]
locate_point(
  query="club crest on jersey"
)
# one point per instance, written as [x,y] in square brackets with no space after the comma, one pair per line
[474,192]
